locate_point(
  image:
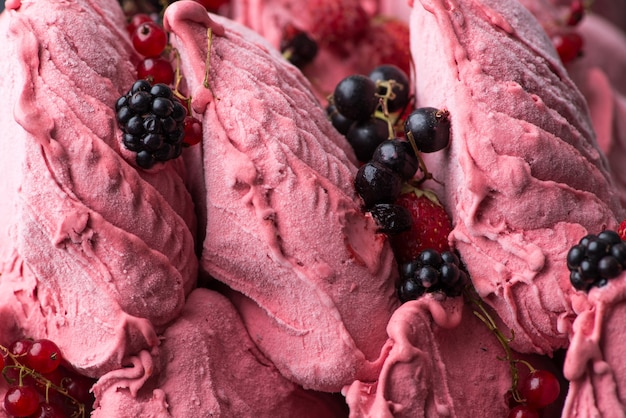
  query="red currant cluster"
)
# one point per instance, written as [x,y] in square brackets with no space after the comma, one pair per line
[41,383]
[538,390]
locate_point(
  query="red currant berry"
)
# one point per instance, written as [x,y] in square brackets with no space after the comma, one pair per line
[136,21]
[43,356]
[212,5]
[621,231]
[21,401]
[576,13]
[523,411]
[20,347]
[48,410]
[156,70]
[540,388]
[193,131]
[149,39]
[568,45]
[2,361]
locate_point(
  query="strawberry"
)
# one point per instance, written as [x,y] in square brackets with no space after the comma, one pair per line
[431,225]
[386,42]
[334,21]
[621,231]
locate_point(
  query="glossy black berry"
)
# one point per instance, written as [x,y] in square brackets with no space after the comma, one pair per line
[376,183]
[596,259]
[355,97]
[429,128]
[341,123]
[390,218]
[391,76]
[365,136]
[398,155]
[152,123]
[431,272]
[299,48]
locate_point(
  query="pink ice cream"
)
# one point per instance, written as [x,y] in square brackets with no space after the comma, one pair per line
[94,253]
[284,227]
[524,179]
[208,366]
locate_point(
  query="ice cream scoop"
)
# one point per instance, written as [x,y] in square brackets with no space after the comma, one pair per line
[314,282]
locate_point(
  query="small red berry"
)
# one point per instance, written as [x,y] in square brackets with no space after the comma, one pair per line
[136,21]
[568,45]
[20,347]
[576,13]
[621,231]
[156,70]
[193,131]
[149,39]
[21,401]
[2,361]
[43,356]
[523,411]
[540,388]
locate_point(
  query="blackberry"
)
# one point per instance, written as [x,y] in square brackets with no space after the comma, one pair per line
[596,259]
[152,122]
[431,272]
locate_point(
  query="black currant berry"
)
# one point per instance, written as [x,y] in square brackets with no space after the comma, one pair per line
[383,75]
[398,155]
[355,97]
[365,136]
[341,123]
[390,218]
[376,183]
[429,128]
[298,48]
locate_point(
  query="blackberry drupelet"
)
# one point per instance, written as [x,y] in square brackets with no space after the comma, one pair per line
[152,122]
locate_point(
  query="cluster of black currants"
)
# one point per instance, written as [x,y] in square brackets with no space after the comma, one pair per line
[356,99]
[379,183]
[596,259]
[152,121]
[431,272]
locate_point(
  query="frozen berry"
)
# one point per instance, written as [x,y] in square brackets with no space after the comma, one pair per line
[355,97]
[398,155]
[390,218]
[298,47]
[365,136]
[428,128]
[400,88]
[149,39]
[540,388]
[376,183]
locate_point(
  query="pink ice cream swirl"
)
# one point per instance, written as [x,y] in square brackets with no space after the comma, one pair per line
[524,178]
[95,254]
[314,282]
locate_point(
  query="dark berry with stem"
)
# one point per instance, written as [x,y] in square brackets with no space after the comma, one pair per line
[392,77]
[298,47]
[341,123]
[365,136]
[48,410]
[398,155]
[376,183]
[149,39]
[355,97]
[390,218]
[540,388]
[428,128]
[21,401]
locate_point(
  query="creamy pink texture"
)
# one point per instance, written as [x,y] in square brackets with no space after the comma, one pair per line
[208,366]
[524,180]
[284,227]
[95,254]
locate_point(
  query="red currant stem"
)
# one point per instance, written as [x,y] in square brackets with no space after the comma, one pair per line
[26,371]
[487,319]
[205,82]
